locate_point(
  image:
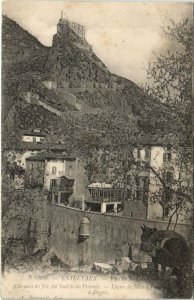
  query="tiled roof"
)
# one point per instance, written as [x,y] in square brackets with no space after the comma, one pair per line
[21,145]
[49,155]
[68,178]
[32,133]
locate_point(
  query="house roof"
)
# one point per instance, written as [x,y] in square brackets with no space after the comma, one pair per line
[68,178]
[50,156]
[34,133]
[21,145]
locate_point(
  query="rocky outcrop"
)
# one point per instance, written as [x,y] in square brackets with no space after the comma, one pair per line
[102,267]
[111,267]
[101,100]
[67,62]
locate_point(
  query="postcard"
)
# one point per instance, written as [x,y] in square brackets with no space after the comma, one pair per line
[96,150]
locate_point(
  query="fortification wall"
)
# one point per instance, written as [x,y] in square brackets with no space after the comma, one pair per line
[110,236]
[50,108]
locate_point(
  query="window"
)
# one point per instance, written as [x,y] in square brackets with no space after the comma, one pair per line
[167,195]
[136,195]
[128,179]
[129,193]
[147,153]
[53,183]
[138,153]
[168,148]
[145,187]
[70,171]
[54,170]
[31,166]
[168,177]
[167,157]
[137,181]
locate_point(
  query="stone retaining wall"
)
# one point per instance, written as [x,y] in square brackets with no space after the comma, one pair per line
[110,236]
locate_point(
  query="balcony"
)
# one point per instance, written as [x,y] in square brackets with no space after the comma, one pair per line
[62,184]
[62,188]
[106,195]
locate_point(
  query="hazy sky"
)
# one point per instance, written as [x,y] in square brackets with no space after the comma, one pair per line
[124,35]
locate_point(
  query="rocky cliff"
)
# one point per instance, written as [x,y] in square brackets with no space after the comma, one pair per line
[112,109]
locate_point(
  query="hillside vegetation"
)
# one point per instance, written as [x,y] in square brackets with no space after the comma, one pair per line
[120,114]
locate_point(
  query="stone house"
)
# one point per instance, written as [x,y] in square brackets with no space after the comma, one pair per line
[30,97]
[34,136]
[47,168]
[29,145]
[143,183]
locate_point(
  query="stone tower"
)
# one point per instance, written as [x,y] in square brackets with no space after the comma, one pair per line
[77,28]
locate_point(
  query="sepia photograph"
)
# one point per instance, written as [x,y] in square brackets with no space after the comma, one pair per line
[96,139]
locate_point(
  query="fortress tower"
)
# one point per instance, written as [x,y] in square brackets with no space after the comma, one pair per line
[77,28]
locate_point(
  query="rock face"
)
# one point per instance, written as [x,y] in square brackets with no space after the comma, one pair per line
[20,44]
[125,265]
[120,266]
[72,64]
[122,109]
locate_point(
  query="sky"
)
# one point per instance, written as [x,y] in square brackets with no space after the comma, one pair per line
[124,35]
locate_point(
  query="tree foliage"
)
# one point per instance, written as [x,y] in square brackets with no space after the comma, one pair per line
[170,82]
[170,76]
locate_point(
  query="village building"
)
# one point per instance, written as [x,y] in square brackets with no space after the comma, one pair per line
[35,136]
[151,162]
[30,97]
[57,173]
[29,144]
[23,150]
[61,189]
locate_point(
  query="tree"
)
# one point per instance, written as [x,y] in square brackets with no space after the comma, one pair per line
[16,209]
[169,91]
[174,185]
[170,83]
[170,77]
